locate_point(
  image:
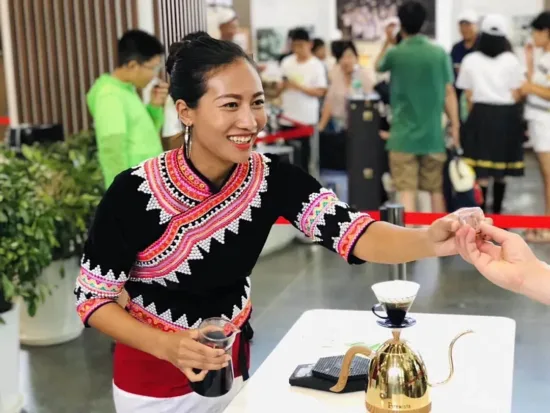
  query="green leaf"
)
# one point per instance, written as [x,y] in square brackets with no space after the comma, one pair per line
[31,307]
[7,288]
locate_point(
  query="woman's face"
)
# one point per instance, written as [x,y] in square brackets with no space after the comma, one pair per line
[348,61]
[230,114]
[541,38]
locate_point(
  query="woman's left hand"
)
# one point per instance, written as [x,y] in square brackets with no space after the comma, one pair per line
[441,234]
[442,231]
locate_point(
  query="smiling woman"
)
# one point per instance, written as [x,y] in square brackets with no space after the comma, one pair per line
[183,231]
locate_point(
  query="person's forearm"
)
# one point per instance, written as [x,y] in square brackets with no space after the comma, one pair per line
[384,243]
[381,55]
[313,91]
[537,283]
[530,71]
[280,89]
[451,106]
[115,322]
[325,116]
[540,91]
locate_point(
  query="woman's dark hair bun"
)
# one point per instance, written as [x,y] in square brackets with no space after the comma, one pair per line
[196,36]
[171,59]
[187,41]
[194,60]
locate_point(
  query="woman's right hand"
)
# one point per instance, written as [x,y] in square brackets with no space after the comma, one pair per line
[184,351]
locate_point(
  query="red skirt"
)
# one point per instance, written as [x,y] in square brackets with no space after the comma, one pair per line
[140,373]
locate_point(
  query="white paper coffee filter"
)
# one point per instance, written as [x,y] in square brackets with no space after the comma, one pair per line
[397,291]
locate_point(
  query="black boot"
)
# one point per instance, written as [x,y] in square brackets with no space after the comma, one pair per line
[499,188]
[484,190]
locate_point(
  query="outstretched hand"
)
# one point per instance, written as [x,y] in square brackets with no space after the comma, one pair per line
[442,231]
[506,265]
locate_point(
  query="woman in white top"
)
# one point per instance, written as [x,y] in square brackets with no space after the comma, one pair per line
[492,137]
[537,109]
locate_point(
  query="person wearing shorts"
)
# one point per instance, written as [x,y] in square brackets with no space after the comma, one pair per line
[537,109]
[412,172]
[421,88]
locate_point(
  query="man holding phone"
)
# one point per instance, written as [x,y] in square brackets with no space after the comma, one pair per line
[127,130]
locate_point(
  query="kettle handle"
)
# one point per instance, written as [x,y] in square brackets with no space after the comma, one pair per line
[346,364]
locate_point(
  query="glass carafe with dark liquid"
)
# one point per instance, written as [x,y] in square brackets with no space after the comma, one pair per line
[217,333]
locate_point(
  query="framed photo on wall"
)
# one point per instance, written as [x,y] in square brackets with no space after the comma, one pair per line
[364,19]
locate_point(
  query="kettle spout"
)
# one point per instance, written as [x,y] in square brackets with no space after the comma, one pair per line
[346,364]
[451,361]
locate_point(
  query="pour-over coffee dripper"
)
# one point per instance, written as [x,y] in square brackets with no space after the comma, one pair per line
[395,298]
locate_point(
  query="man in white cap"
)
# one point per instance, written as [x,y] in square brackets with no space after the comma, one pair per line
[228,23]
[467,25]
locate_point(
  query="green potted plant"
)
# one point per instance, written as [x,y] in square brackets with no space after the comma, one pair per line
[75,184]
[27,237]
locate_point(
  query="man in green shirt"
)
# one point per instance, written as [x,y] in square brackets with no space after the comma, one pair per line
[127,131]
[421,89]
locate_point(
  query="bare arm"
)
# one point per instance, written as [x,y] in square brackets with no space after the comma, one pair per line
[451,108]
[451,105]
[281,86]
[516,94]
[537,284]
[540,91]
[326,115]
[115,322]
[469,101]
[389,244]
[381,55]
[318,92]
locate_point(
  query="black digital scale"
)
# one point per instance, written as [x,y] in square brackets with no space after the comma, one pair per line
[324,374]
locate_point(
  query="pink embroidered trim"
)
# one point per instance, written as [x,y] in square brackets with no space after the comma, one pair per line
[313,215]
[183,177]
[350,234]
[220,219]
[86,309]
[99,285]
[147,317]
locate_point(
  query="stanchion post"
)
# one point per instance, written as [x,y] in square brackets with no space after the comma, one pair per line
[314,167]
[395,214]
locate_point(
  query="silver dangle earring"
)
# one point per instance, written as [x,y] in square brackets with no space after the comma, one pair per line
[187,140]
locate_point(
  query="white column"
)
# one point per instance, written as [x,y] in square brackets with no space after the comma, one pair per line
[146,21]
[9,64]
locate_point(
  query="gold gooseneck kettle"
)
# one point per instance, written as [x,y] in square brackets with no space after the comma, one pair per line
[397,377]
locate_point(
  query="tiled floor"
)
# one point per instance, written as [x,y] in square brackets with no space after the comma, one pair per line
[75,377]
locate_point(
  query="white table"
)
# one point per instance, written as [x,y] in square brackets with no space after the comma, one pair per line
[484,362]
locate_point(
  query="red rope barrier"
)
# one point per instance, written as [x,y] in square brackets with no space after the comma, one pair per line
[296,133]
[502,221]
[4,121]
[300,131]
